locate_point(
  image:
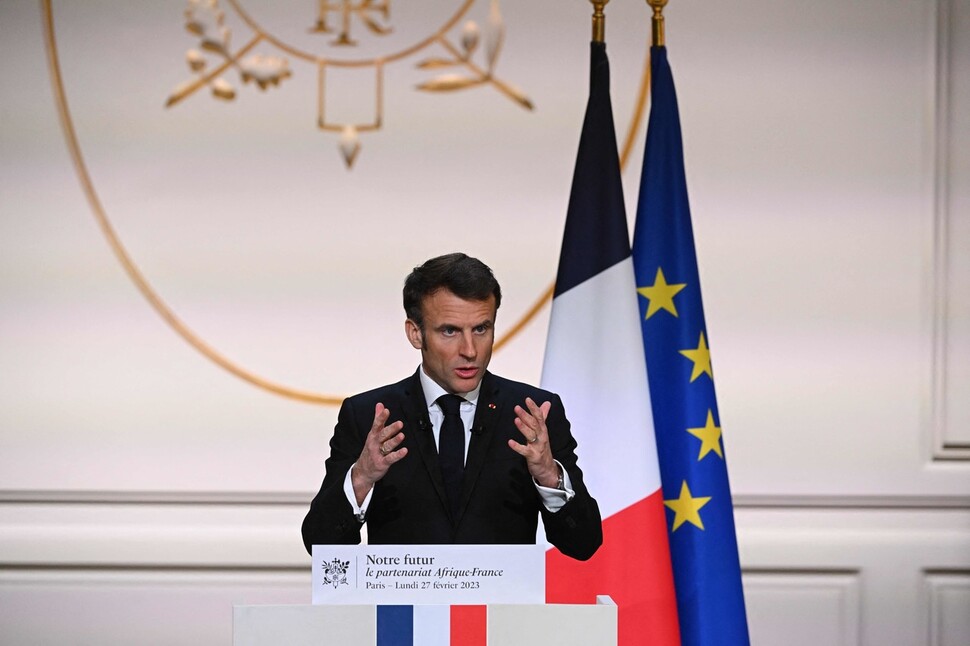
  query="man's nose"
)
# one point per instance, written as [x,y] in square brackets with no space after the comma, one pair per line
[468,349]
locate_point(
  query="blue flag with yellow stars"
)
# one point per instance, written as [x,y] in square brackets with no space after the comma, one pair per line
[693,469]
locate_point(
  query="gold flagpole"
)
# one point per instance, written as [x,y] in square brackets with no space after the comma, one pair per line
[658,21]
[599,21]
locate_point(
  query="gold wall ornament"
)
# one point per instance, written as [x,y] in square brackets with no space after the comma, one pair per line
[462,56]
[363,10]
[205,20]
[348,139]
[349,142]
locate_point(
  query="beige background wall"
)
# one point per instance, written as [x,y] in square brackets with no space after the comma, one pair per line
[143,490]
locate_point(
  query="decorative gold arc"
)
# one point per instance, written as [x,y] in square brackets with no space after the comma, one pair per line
[153,298]
[390,58]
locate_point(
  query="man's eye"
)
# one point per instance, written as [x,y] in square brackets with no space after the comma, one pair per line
[481,329]
[449,331]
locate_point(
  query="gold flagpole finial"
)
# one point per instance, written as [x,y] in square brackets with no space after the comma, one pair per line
[658,21]
[599,21]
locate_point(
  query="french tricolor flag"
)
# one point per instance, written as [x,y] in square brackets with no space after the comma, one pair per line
[432,625]
[594,359]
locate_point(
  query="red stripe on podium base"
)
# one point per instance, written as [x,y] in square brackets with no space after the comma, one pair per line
[469,625]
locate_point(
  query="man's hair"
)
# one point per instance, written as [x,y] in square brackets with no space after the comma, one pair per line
[465,277]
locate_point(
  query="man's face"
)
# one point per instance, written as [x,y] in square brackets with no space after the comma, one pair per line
[456,342]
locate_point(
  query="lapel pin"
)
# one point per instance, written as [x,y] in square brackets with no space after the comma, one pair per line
[492,406]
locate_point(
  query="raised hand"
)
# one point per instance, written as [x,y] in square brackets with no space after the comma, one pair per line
[379,453]
[531,422]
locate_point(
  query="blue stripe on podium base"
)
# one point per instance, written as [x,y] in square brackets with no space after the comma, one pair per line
[395,625]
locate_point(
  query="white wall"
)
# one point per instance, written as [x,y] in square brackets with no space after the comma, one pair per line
[143,489]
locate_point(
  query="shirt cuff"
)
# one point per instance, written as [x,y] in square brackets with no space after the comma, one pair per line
[554,499]
[360,511]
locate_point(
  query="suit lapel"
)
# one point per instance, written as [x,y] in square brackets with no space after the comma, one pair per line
[487,414]
[422,435]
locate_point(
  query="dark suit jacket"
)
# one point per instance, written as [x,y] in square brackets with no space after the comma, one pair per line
[499,500]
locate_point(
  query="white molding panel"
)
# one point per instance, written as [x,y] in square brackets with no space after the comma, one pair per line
[886,552]
[153,536]
[135,606]
[952,225]
[948,595]
[803,608]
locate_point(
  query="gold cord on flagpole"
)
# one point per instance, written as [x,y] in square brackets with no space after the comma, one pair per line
[599,21]
[658,21]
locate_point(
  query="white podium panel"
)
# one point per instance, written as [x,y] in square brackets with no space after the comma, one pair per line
[428,574]
[554,624]
[357,625]
[307,625]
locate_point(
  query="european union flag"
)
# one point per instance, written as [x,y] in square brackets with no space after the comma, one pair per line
[703,546]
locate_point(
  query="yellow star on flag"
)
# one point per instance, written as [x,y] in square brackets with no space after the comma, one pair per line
[660,294]
[687,508]
[701,357]
[710,437]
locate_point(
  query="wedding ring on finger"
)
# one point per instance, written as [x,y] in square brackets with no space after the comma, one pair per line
[535,438]
[384,450]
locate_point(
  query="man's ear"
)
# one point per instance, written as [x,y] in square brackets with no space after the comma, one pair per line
[413,333]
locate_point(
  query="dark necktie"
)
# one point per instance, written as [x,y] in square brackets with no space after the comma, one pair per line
[451,449]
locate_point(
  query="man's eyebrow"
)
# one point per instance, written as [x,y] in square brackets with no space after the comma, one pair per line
[485,323]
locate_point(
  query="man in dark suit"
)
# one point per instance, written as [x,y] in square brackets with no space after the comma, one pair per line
[453,453]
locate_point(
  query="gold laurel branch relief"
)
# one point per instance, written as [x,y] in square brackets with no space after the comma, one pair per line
[206,21]
[451,82]
[153,298]
[190,87]
[494,37]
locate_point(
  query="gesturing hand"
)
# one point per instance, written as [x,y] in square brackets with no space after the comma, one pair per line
[531,422]
[379,453]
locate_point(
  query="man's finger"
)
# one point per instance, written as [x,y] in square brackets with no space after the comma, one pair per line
[529,432]
[525,418]
[540,413]
[394,456]
[534,409]
[391,443]
[389,432]
[522,450]
[545,408]
[380,416]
